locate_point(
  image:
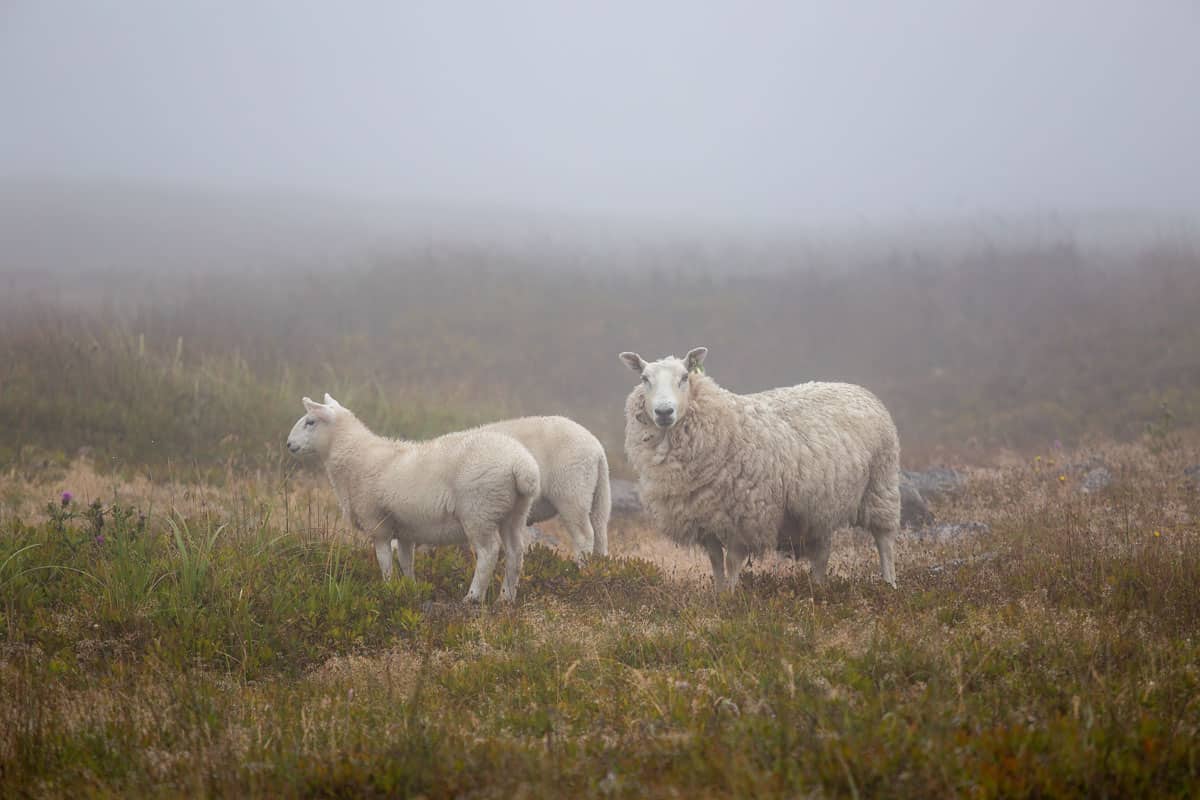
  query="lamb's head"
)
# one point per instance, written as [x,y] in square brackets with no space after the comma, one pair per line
[667,384]
[313,433]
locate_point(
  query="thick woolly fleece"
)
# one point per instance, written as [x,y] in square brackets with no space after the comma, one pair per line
[574,472]
[474,486]
[783,468]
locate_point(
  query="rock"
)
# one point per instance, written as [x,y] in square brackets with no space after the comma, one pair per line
[1097,478]
[914,512]
[955,563]
[951,530]
[935,483]
[1192,474]
[625,497]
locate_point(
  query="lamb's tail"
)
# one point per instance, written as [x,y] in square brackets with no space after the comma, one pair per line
[601,507]
[527,480]
[526,477]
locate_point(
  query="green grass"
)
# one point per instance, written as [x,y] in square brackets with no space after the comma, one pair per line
[212,652]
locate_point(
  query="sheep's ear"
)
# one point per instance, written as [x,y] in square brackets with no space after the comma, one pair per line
[695,359]
[329,401]
[634,361]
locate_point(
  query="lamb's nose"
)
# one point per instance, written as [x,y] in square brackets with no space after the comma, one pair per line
[664,413]
[292,446]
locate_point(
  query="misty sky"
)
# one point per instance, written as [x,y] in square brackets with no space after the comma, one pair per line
[736,110]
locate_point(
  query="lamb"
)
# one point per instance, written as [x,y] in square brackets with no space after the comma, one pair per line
[574,472]
[738,474]
[472,486]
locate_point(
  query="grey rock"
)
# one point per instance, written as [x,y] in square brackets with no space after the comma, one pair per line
[935,483]
[1085,466]
[1192,474]
[914,512]
[951,530]
[955,563]
[1096,479]
[625,497]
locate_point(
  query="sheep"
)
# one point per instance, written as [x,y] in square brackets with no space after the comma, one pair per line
[574,472]
[738,474]
[472,486]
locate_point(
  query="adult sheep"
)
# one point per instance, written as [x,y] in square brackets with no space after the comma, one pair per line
[574,472]
[785,468]
[472,486]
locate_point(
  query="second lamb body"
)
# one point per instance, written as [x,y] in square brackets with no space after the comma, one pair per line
[574,471]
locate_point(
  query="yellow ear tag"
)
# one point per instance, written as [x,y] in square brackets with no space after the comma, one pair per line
[698,369]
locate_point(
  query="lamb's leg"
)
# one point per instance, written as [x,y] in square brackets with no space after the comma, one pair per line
[486,544]
[716,555]
[736,557]
[404,555]
[819,546]
[579,528]
[383,553]
[512,532]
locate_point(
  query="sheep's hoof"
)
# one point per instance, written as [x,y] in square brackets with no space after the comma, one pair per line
[472,599]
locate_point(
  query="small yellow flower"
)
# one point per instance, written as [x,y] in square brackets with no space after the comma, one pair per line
[1039,458]
[1062,478]
[1157,534]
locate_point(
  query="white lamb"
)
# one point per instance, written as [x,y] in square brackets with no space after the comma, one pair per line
[785,468]
[473,486]
[574,472]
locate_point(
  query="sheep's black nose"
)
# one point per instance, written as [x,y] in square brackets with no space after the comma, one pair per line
[664,412]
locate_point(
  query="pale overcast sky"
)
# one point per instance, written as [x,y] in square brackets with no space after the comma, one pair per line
[734,110]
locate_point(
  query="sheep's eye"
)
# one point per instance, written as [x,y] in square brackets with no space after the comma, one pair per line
[683,380]
[645,380]
[308,423]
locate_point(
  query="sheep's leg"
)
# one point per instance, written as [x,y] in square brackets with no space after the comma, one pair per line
[404,555]
[486,544]
[884,543]
[716,555]
[818,547]
[383,553]
[736,557]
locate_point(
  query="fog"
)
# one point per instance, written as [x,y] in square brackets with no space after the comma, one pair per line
[733,114]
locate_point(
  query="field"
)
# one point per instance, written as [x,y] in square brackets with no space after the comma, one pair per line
[192,619]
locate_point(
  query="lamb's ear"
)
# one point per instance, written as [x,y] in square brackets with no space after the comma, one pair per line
[329,401]
[695,359]
[319,411]
[634,362]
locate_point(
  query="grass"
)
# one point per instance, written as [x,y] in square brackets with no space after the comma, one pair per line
[212,650]
[194,622]
[994,347]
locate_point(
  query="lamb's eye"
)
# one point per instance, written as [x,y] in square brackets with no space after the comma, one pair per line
[645,380]
[308,423]
[683,380]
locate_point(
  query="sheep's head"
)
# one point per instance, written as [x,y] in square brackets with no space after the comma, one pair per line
[667,384]
[311,434]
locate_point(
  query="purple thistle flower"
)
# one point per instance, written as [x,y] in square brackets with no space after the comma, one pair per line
[1057,444]
[100,538]
[67,497]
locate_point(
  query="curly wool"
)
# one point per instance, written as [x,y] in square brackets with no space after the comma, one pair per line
[782,468]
